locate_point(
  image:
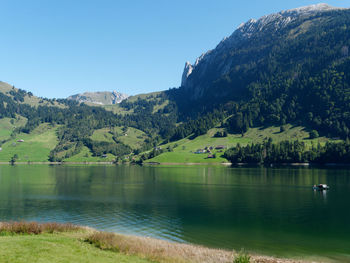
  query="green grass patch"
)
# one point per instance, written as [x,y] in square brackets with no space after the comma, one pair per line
[7,125]
[57,248]
[103,135]
[85,155]
[185,149]
[131,137]
[35,147]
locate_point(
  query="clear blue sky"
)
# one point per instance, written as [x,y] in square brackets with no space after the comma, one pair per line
[56,48]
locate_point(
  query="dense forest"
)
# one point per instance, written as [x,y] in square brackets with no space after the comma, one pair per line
[290,152]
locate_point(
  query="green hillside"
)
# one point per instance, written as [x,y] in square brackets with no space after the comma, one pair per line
[24,97]
[35,146]
[85,155]
[183,151]
[8,125]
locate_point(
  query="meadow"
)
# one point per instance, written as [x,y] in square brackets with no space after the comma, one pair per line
[33,147]
[184,150]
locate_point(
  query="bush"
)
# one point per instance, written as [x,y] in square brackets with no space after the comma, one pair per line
[314,134]
[242,257]
[103,240]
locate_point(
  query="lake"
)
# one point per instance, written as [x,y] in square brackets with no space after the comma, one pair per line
[271,211]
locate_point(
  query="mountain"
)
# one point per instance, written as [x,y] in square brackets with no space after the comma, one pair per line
[288,67]
[101,98]
[254,42]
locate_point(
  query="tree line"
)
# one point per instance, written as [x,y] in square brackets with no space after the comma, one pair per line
[290,152]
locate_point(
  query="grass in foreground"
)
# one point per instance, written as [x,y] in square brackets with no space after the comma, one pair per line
[32,242]
[53,242]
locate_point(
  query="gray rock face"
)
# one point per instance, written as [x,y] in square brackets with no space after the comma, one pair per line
[215,62]
[100,98]
[118,97]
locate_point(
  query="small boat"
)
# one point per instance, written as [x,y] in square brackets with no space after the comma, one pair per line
[320,187]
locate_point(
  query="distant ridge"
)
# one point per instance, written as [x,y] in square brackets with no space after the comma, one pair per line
[100,97]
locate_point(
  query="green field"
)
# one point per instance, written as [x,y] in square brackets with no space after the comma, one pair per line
[65,247]
[86,156]
[35,147]
[102,135]
[131,136]
[183,150]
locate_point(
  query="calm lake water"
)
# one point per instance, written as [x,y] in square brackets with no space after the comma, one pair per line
[272,211]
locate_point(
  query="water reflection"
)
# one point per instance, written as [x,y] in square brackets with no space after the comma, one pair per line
[270,210]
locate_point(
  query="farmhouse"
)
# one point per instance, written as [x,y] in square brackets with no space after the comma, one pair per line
[220,147]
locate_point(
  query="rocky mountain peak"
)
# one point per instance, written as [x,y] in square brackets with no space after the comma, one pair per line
[101,97]
[272,22]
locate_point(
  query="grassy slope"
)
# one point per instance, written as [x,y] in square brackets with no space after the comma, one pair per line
[102,135]
[86,156]
[6,127]
[184,152]
[132,137]
[56,248]
[36,146]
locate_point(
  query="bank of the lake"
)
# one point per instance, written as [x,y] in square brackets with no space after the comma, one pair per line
[52,242]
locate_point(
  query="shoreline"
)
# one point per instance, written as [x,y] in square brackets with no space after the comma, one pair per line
[226,164]
[153,249]
[55,163]
[188,252]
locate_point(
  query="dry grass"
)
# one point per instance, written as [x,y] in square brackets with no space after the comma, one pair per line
[35,228]
[143,247]
[168,252]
